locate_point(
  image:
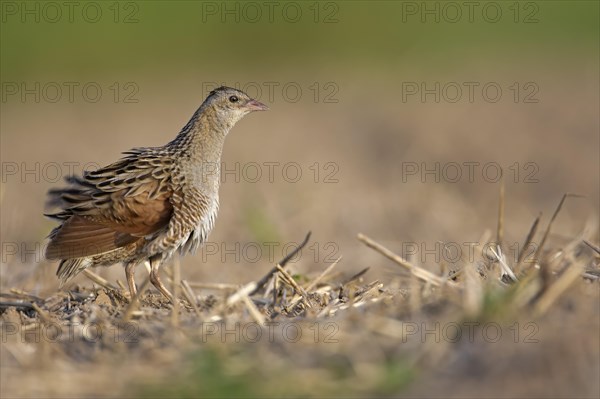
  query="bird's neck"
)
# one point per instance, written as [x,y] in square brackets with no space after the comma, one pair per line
[203,137]
[200,145]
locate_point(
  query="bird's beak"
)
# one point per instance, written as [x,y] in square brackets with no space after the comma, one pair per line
[254,105]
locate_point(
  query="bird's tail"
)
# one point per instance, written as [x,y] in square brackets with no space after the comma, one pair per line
[70,268]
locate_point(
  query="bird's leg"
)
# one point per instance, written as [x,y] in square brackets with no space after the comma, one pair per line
[155,279]
[129,274]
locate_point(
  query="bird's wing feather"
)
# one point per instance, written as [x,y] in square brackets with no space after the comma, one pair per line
[79,237]
[110,208]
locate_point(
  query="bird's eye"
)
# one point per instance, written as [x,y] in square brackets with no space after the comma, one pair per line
[233,99]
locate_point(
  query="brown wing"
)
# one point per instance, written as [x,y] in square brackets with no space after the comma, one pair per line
[110,208]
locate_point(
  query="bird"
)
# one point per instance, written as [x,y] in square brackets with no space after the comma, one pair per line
[152,203]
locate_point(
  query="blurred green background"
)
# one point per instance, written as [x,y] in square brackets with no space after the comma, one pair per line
[157,37]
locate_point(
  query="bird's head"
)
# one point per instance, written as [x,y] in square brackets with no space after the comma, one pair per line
[231,104]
